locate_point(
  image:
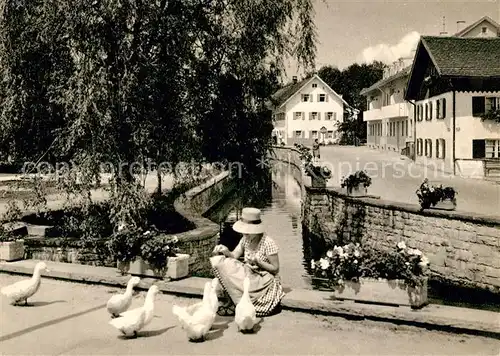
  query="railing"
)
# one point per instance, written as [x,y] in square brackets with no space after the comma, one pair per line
[386,112]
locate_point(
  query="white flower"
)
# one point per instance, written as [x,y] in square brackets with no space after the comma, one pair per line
[175,239]
[355,261]
[329,254]
[344,255]
[401,245]
[424,262]
[356,253]
[407,263]
[340,281]
[146,233]
[313,265]
[338,250]
[324,263]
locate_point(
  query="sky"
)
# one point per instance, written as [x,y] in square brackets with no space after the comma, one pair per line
[357,31]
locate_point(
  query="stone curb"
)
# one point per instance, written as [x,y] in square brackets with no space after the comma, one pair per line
[437,317]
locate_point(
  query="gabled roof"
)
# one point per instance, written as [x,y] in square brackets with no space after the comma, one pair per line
[466,57]
[283,95]
[477,23]
[402,73]
[455,57]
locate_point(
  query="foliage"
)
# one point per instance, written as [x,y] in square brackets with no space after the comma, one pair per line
[125,244]
[318,171]
[126,83]
[356,179]
[6,235]
[492,115]
[157,248]
[305,154]
[429,195]
[352,262]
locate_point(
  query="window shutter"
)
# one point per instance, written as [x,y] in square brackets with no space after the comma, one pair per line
[430,111]
[311,98]
[430,148]
[478,148]
[437,148]
[303,115]
[443,148]
[326,97]
[478,105]
[310,115]
[318,97]
[335,116]
[443,108]
[319,116]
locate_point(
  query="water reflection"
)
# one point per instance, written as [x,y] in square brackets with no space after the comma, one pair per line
[279,198]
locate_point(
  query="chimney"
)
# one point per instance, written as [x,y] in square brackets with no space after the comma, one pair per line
[460,25]
[294,79]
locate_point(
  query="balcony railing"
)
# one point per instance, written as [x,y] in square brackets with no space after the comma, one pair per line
[386,112]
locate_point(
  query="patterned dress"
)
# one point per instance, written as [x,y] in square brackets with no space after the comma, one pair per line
[266,290]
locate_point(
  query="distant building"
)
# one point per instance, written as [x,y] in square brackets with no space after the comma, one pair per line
[453,82]
[389,118]
[307,110]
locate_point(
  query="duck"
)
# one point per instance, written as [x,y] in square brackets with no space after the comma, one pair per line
[197,319]
[25,289]
[119,303]
[245,315]
[129,323]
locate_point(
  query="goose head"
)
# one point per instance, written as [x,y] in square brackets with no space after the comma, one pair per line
[134,281]
[152,292]
[41,266]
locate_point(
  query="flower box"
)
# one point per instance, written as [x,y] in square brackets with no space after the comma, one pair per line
[383,291]
[177,268]
[357,191]
[12,250]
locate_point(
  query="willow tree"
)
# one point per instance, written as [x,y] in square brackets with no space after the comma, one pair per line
[123,81]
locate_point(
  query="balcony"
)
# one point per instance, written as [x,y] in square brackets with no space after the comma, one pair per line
[386,112]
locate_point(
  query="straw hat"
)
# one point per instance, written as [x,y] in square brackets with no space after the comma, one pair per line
[250,222]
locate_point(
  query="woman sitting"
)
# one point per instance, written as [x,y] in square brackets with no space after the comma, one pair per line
[261,264]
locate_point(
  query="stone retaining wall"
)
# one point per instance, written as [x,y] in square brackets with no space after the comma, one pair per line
[464,249]
[200,242]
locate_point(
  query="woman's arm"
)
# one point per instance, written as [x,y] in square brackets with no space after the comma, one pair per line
[273,267]
[236,253]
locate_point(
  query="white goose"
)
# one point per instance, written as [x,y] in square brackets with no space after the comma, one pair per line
[197,319]
[119,303]
[132,321]
[245,315]
[23,290]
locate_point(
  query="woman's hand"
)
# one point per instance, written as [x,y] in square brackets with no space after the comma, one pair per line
[221,249]
[253,260]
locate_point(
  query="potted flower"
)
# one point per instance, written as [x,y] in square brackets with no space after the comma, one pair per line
[125,246]
[319,175]
[436,197]
[160,257]
[11,246]
[356,183]
[352,272]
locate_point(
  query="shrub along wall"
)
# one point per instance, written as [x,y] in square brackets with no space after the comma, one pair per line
[464,249]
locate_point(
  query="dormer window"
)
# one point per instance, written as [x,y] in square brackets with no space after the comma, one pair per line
[305,97]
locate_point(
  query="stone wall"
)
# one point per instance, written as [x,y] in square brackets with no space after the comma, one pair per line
[464,249]
[200,242]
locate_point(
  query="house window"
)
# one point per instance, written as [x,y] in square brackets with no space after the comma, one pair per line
[484,29]
[419,146]
[482,105]
[329,115]
[492,148]
[430,111]
[313,116]
[321,98]
[426,111]
[443,108]
[329,134]
[440,148]
[298,134]
[297,115]
[314,134]
[428,148]
[406,127]
[478,148]
[315,85]
[305,97]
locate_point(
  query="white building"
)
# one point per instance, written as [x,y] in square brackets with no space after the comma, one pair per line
[389,118]
[307,110]
[453,82]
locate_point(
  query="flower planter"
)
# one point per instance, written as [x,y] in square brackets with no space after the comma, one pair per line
[446,204]
[12,250]
[318,182]
[177,268]
[357,191]
[383,291]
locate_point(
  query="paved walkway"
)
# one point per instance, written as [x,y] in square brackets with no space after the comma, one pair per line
[71,319]
[396,178]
